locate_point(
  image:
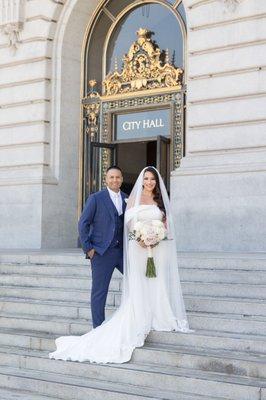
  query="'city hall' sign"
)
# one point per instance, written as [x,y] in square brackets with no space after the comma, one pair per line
[143,125]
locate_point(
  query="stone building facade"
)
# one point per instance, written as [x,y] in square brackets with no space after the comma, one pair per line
[218,192]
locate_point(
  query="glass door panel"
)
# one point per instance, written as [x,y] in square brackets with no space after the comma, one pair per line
[163,159]
[102,157]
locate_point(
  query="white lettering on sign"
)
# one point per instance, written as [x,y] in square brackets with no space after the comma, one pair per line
[138,124]
[126,126]
[145,124]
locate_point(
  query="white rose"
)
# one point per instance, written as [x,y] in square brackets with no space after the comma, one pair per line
[157,222]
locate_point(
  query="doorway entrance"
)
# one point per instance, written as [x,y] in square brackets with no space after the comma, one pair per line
[132,157]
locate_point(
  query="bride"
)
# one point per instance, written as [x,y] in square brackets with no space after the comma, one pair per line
[147,303]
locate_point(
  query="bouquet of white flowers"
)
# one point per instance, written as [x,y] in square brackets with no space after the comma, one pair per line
[150,233]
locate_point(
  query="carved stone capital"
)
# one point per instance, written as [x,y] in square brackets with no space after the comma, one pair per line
[231,5]
[12,31]
[12,18]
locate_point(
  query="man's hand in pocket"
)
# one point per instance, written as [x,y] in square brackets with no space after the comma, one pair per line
[91,253]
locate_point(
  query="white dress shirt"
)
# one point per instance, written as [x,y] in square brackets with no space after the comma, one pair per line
[117,200]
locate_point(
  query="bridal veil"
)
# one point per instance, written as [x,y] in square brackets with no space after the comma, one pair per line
[173,281]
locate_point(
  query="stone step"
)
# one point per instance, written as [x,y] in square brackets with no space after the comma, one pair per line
[215,340]
[228,305]
[222,276]
[47,307]
[208,260]
[62,325]
[193,301]
[71,282]
[222,260]
[228,322]
[47,324]
[81,309]
[62,256]
[203,339]
[223,305]
[234,305]
[55,294]
[67,387]
[224,290]
[223,360]
[13,394]
[158,377]
[187,273]
[189,288]
[47,269]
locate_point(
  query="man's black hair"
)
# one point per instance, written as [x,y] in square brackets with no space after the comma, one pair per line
[114,167]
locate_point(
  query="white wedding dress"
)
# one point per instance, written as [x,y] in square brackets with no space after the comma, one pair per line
[147,307]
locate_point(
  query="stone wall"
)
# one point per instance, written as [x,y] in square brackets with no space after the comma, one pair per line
[25,76]
[219,193]
[40,94]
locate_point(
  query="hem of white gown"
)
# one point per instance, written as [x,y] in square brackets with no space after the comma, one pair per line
[122,355]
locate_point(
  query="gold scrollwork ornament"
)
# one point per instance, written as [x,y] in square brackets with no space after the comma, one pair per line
[143,69]
[91,105]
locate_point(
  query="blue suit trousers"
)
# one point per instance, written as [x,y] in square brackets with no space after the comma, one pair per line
[102,269]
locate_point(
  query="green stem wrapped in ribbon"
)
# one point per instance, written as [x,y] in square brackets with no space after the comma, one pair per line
[150,270]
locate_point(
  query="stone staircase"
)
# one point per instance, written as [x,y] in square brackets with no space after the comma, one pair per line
[46,294]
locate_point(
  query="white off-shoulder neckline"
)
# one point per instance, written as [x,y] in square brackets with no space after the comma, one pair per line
[149,205]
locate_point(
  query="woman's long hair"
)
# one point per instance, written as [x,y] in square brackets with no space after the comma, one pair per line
[157,194]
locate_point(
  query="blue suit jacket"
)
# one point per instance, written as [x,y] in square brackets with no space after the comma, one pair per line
[97,222]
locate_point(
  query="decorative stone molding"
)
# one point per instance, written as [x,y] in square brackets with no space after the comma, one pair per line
[12,18]
[231,5]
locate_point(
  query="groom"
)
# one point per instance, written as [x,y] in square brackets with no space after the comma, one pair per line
[101,235]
